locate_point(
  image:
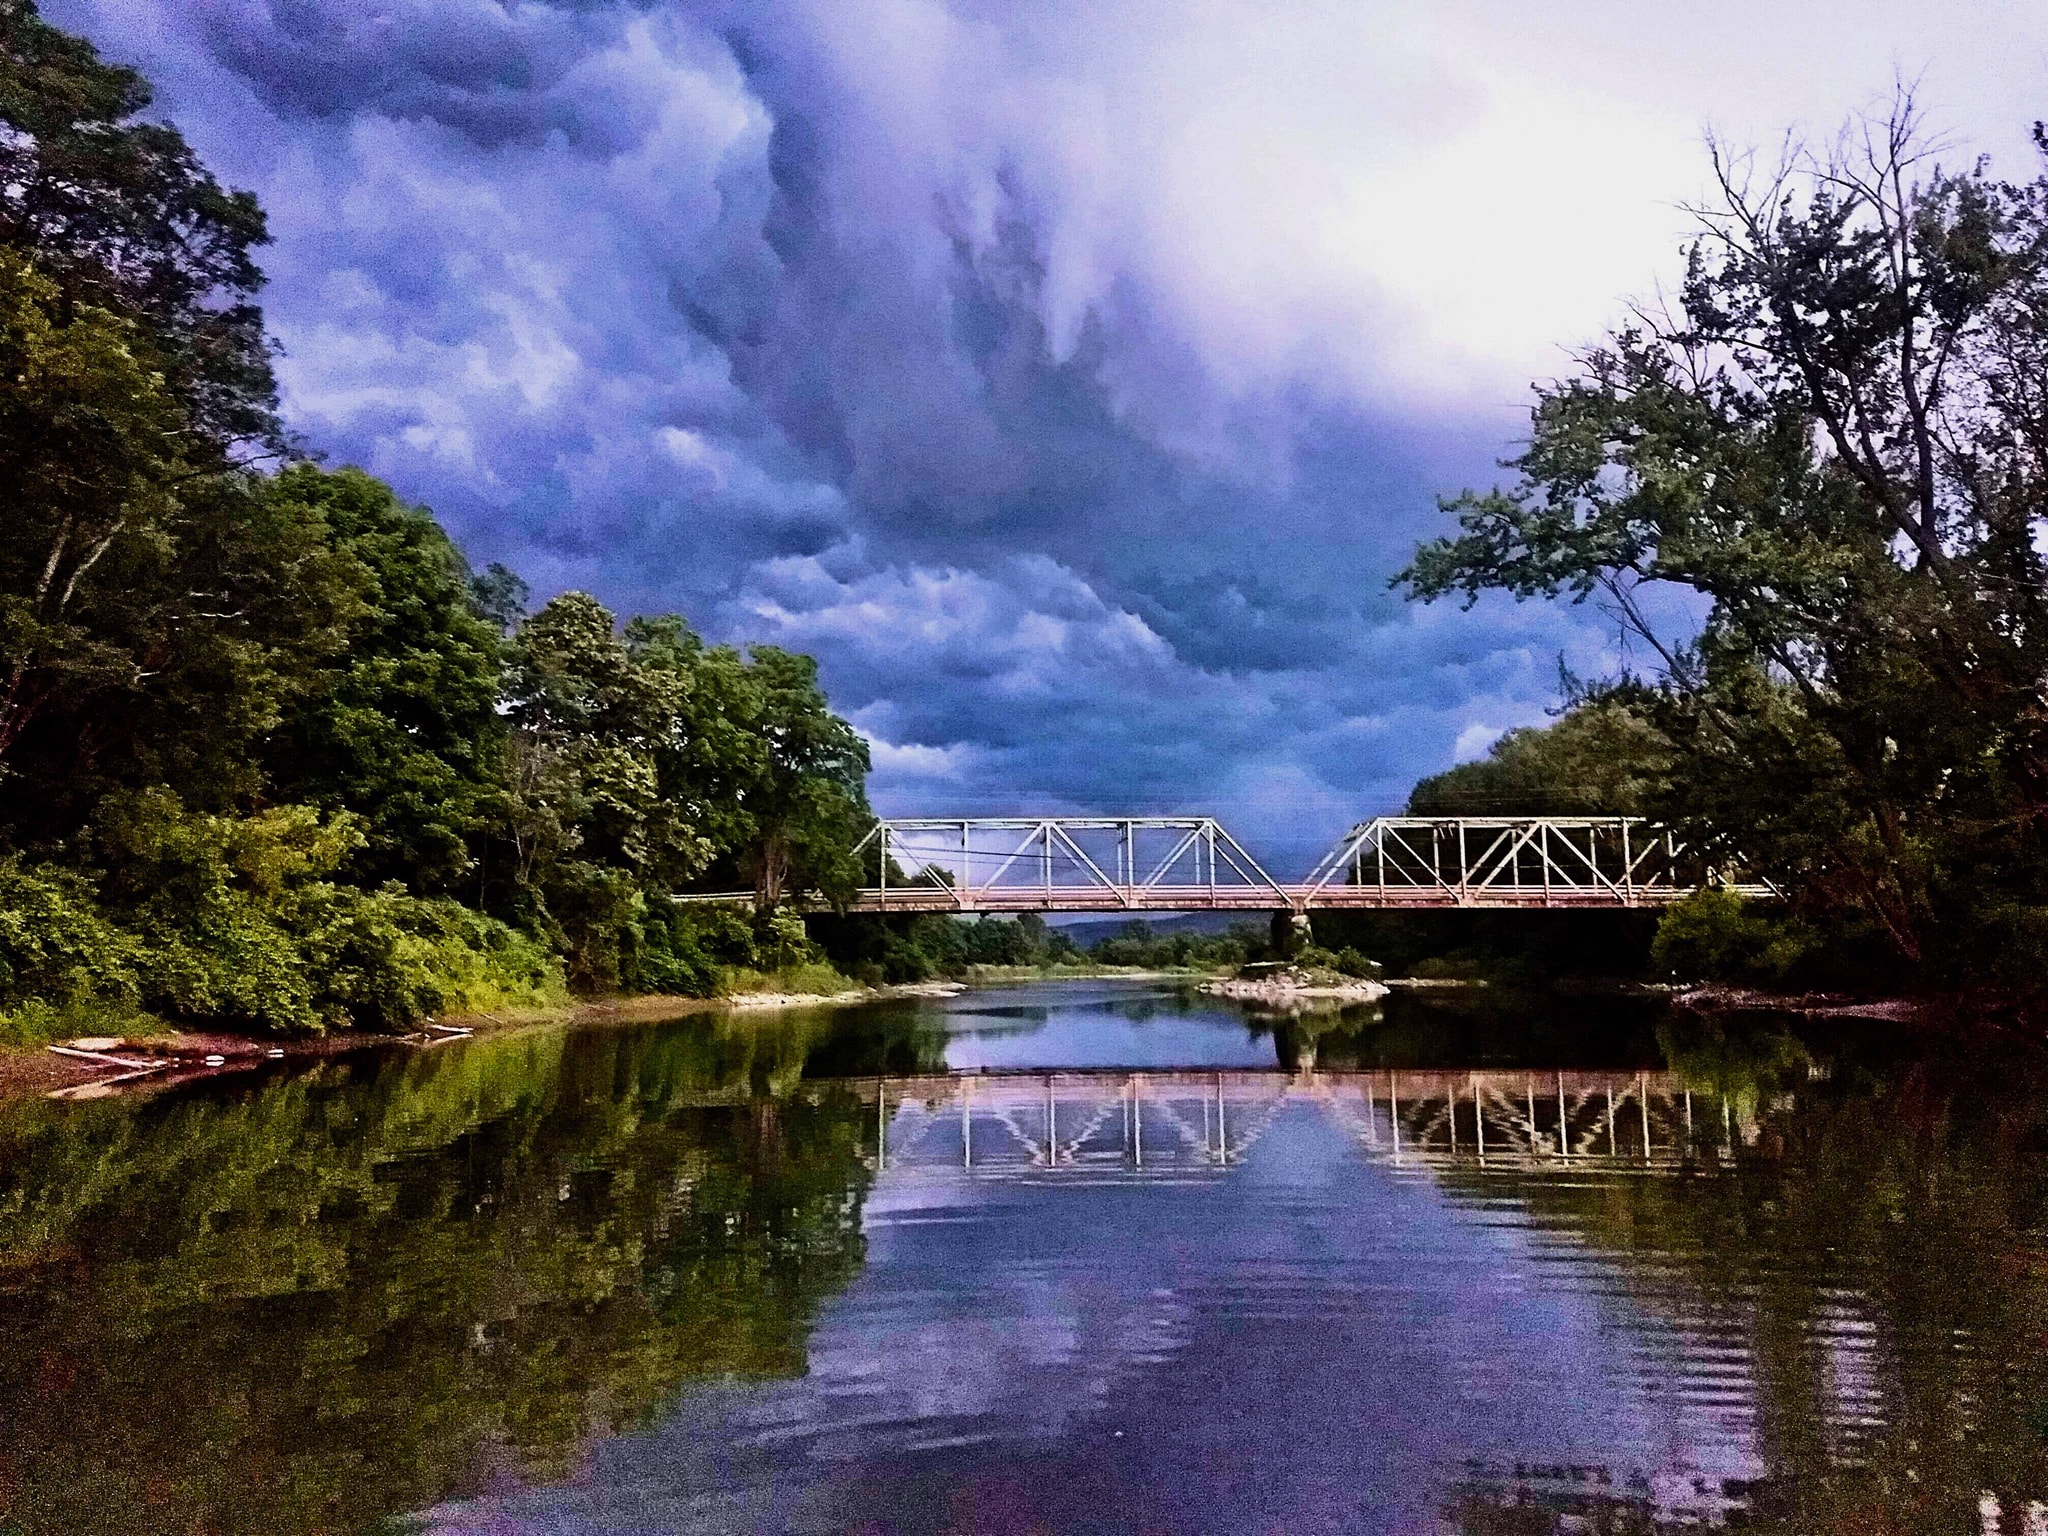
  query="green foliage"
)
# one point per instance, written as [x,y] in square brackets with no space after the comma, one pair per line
[1830,442]
[259,734]
[813,978]
[402,726]
[1350,962]
[125,218]
[1712,935]
[54,942]
[1604,757]
[685,950]
[1138,945]
[781,776]
[899,950]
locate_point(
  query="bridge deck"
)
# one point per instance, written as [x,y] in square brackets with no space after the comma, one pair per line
[1274,898]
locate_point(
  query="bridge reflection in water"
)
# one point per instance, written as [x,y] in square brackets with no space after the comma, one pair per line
[1193,1124]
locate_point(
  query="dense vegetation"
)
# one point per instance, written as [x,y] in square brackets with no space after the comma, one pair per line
[271,754]
[1835,439]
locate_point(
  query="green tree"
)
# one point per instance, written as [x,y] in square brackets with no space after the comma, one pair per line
[1603,757]
[402,727]
[588,824]
[155,615]
[123,216]
[1837,438]
[808,804]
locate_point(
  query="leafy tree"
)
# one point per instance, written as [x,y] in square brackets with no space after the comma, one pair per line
[154,620]
[124,218]
[1837,436]
[786,775]
[90,446]
[1602,758]
[402,727]
[588,822]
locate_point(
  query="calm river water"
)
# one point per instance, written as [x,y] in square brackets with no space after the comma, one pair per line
[1072,1257]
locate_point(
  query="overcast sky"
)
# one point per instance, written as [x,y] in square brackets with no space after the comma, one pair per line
[1068,377]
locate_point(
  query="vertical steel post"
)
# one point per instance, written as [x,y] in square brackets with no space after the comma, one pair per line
[1529,1088]
[1612,1149]
[881,1125]
[1222,1132]
[1454,1115]
[883,888]
[966,1130]
[1564,1140]
[1643,1109]
[1478,1117]
[1628,867]
[1137,1122]
[1394,1111]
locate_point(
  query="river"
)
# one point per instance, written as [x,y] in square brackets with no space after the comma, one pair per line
[1079,1256]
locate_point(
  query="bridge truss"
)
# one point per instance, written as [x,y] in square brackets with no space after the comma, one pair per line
[1191,863]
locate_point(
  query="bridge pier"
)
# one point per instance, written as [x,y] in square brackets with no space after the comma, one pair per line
[1291,934]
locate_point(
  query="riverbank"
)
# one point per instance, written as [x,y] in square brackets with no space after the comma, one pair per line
[1805,1005]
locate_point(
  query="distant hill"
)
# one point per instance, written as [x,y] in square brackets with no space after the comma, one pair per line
[1087,931]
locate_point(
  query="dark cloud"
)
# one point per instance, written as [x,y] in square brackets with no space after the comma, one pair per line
[684,305]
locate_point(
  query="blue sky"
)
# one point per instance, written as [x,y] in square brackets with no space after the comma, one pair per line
[1068,377]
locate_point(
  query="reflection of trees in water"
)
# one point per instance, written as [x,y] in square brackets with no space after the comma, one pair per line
[1877,1249]
[1490,1026]
[903,1038]
[352,1291]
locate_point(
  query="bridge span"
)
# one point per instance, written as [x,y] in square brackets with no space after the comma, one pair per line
[1192,863]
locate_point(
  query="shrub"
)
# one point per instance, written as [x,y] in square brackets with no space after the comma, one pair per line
[684,949]
[1715,935]
[1351,962]
[56,946]
[814,977]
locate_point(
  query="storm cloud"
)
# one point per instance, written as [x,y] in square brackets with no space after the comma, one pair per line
[1068,378]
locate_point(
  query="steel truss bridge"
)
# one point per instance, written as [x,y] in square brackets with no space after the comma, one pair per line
[1191,863]
[1194,1124]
